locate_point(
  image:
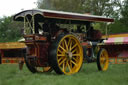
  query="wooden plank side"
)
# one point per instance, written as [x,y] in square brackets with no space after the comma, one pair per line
[12,45]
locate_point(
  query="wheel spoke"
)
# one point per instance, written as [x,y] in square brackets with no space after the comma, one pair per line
[102,59]
[63,67]
[59,51]
[66,65]
[69,41]
[70,64]
[62,61]
[74,58]
[76,55]
[74,63]
[70,45]
[69,67]
[74,50]
[62,48]
[74,46]
[63,45]
[66,44]
[101,62]
[60,54]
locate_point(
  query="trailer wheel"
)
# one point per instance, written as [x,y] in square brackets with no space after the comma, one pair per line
[35,69]
[66,55]
[102,60]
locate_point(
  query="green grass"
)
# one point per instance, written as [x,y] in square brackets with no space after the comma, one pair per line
[88,75]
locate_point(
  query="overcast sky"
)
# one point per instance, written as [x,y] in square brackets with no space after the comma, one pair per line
[10,7]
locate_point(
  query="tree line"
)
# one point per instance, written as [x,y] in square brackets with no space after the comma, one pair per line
[117,9]
[10,30]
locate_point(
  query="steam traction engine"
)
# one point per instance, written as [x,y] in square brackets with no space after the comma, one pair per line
[52,42]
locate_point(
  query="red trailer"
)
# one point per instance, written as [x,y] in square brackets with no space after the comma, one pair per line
[117,47]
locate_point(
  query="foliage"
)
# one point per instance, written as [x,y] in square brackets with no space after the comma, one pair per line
[102,7]
[88,75]
[117,27]
[96,7]
[121,25]
[9,30]
[61,5]
[124,13]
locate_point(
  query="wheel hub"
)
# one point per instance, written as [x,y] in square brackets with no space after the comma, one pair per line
[69,55]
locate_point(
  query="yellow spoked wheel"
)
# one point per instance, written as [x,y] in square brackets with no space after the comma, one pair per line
[68,55]
[102,60]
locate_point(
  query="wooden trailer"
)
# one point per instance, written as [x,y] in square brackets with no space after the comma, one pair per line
[11,52]
[117,47]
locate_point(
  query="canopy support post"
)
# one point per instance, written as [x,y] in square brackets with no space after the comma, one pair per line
[24,25]
[106,33]
[33,22]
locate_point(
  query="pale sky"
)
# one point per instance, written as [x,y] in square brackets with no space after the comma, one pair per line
[11,7]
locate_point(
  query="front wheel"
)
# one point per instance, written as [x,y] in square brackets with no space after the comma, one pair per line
[66,55]
[102,60]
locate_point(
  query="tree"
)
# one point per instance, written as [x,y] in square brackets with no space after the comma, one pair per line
[108,8]
[117,27]
[61,5]
[124,13]
[97,7]
[9,30]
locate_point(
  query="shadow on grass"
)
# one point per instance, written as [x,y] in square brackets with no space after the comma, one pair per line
[87,68]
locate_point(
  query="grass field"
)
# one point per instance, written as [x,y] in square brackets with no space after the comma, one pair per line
[88,75]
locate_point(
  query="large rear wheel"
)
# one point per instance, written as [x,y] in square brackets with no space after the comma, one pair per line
[66,55]
[34,68]
[102,60]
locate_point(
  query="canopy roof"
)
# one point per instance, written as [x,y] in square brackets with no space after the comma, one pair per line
[48,14]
